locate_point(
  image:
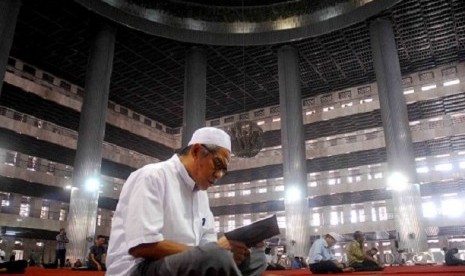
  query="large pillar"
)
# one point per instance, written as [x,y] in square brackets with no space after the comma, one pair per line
[293,151]
[84,197]
[399,146]
[195,87]
[9,10]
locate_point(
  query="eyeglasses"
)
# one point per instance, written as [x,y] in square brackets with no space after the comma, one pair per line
[217,162]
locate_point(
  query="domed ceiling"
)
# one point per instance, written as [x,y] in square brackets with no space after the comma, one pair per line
[148,70]
[234,22]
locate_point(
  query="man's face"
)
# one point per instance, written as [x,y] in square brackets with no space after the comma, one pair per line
[373,252]
[100,241]
[210,166]
[361,238]
[330,241]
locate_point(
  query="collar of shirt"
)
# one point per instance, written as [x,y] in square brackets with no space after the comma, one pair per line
[183,172]
[325,244]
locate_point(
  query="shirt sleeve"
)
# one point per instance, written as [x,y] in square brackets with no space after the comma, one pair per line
[93,250]
[316,253]
[144,209]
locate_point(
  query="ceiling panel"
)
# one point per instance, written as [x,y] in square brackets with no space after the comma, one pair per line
[148,71]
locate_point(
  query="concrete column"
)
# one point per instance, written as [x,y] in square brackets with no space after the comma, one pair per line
[326,217]
[9,10]
[195,91]
[85,193]
[36,207]
[15,204]
[399,146]
[293,146]
[346,210]
[367,206]
[54,212]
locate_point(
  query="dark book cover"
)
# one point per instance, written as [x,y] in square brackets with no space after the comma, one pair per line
[256,232]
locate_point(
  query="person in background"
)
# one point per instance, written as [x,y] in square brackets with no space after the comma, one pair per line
[13,267]
[163,224]
[358,258]
[452,259]
[67,263]
[303,263]
[62,240]
[372,252]
[271,260]
[321,259]
[33,258]
[98,254]
[78,263]
[296,264]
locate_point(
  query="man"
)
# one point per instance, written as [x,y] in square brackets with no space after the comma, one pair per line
[13,266]
[163,224]
[97,254]
[77,264]
[321,258]
[62,240]
[372,252]
[358,259]
[296,263]
[453,260]
[272,260]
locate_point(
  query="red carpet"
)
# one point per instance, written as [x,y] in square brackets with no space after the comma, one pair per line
[392,271]
[38,271]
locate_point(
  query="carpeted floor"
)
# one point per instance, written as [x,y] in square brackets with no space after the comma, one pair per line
[38,271]
[391,271]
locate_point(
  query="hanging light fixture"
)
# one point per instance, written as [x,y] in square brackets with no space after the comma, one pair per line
[246,135]
[246,139]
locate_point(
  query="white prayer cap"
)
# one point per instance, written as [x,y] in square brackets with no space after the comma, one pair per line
[335,236]
[212,136]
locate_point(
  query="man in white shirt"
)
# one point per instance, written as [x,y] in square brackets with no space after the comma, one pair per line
[163,224]
[322,260]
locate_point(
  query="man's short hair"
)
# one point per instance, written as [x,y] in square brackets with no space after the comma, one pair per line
[375,249]
[358,234]
[101,237]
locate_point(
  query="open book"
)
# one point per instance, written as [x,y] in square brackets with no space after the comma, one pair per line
[256,232]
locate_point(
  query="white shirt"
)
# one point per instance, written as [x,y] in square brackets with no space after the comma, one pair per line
[157,203]
[320,251]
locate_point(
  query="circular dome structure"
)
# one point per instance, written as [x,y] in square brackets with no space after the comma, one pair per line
[234,22]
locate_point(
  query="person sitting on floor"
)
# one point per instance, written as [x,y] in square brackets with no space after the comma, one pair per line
[15,267]
[358,259]
[322,260]
[98,254]
[372,252]
[272,261]
[452,259]
[78,263]
[67,263]
[296,263]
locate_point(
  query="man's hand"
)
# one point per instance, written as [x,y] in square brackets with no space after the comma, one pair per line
[239,249]
[99,267]
[338,264]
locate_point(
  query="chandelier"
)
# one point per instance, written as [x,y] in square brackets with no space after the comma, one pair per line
[246,139]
